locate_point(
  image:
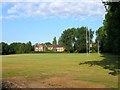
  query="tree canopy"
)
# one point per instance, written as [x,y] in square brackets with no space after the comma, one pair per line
[74,39]
[54,41]
[101,37]
[109,34]
[16,47]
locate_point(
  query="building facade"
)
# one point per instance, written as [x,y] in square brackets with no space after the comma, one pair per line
[43,47]
[39,47]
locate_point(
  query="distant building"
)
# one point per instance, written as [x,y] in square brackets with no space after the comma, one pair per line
[58,48]
[50,47]
[43,47]
[40,47]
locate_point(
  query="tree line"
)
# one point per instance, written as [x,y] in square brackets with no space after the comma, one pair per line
[74,39]
[16,48]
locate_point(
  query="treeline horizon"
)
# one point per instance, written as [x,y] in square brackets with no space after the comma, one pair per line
[74,39]
[28,47]
[19,47]
[16,48]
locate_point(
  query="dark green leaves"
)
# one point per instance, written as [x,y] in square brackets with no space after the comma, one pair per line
[74,39]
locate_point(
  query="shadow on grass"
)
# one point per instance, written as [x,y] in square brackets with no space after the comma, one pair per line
[111,62]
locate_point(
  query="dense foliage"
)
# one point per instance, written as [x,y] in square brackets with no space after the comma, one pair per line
[101,37]
[54,41]
[74,39]
[109,34]
[112,26]
[16,47]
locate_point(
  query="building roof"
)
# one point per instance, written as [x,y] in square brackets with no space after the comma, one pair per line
[54,46]
[39,45]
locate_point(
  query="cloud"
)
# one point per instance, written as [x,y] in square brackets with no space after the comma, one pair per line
[52,0]
[56,0]
[10,17]
[57,8]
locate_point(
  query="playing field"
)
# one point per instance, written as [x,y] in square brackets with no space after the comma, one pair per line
[58,70]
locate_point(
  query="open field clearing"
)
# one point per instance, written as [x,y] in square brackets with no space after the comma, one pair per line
[60,70]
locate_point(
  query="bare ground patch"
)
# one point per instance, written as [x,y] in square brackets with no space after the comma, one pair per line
[52,82]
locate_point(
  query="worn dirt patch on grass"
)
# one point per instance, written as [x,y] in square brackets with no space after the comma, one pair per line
[53,82]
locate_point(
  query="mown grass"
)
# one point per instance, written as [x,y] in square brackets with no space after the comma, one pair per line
[44,66]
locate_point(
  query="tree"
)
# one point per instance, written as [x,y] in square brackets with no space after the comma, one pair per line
[15,48]
[54,41]
[101,37]
[5,48]
[47,43]
[112,27]
[12,48]
[28,47]
[74,39]
[0,48]
[66,39]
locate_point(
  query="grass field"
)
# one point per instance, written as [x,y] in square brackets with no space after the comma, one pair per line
[58,70]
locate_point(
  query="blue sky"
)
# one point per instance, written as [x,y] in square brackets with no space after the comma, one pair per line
[40,21]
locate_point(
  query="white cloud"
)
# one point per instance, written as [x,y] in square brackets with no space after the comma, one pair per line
[59,8]
[52,0]
[10,17]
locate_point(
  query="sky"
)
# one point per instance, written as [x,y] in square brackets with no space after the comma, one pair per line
[40,21]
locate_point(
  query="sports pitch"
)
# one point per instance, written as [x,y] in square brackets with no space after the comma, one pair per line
[58,70]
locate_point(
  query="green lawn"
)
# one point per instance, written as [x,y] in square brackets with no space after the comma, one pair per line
[44,66]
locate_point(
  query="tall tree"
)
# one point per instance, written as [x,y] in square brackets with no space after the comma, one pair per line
[101,37]
[112,27]
[54,41]
[28,47]
[0,48]
[74,39]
